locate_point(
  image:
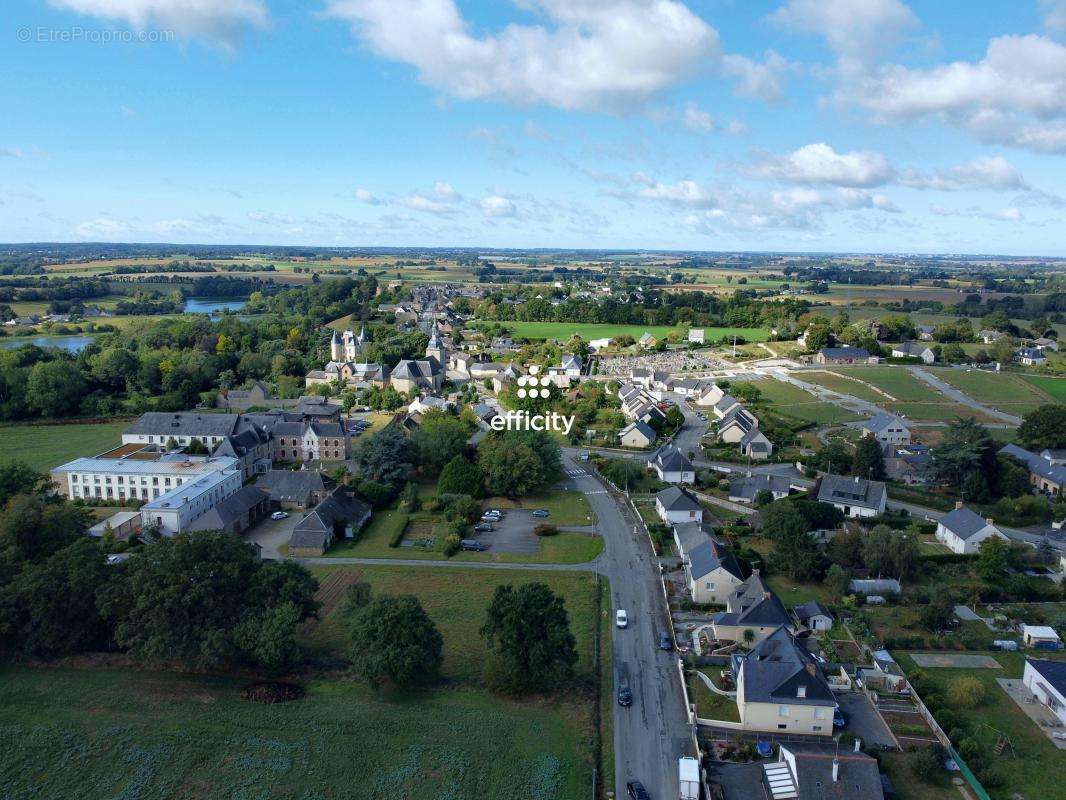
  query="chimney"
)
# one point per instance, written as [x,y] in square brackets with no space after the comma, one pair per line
[858,745]
[989,521]
[836,770]
[812,670]
[958,504]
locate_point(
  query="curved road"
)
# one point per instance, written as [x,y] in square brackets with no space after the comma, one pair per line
[959,397]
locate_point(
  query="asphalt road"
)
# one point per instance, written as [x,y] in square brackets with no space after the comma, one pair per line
[651,734]
[959,397]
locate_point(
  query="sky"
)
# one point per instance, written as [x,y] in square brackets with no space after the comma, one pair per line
[787,125]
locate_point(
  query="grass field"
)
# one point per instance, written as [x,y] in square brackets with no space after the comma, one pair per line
[1032,773]
[896,381]
[122,733]
[46,446]
[1053,387]
[795,402]
[1003,390]
[837,383]
[564,330]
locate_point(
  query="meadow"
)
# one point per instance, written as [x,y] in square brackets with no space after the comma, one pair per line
[588,331]
[795,402]
[1005,391]
[45,447]
[1053,387]
[103,731]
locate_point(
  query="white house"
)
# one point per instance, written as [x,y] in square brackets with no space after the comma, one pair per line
[636,434]
[671,465]
[962,531]
[173,512]
[697,335]
[676,506]
[137,475]
[756,446]
[856,497]
[1041,636]
[887,429]
[1047,681]
[1030,356]
[712,572]
[814,616]
[914,350]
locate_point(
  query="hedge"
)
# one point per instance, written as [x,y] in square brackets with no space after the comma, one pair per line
[400,521]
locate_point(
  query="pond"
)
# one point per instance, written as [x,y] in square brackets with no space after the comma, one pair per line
[72,343]
[213,306]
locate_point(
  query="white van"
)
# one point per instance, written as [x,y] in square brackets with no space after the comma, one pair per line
[621,619]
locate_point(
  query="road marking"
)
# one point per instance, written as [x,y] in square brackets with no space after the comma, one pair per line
[597,491]
[576,472]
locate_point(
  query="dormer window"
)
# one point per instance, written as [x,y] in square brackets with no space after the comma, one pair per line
[801,692]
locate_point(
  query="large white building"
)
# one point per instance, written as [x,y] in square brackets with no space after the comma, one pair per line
[173,512]
[963,531]
[134,473]
[1047,681]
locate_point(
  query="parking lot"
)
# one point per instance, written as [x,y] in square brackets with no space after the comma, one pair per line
[514,533]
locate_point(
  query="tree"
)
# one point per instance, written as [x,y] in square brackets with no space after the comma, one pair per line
[763,497]
[32,528]
[528,633]
[966,692]
[889,552]
[16,477]
[55,389]
[268,637]
[869,462]
[937,613]
[993,560]
[439,439]
[837,580]
[928,763]
[386,457]
[1002,350]
[393,638]
[516,463]
[1044,427]
[967,447]
[782,519]
[674,417]
[461,476]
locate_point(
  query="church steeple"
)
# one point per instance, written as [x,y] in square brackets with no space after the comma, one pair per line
[336,347]
[436,349]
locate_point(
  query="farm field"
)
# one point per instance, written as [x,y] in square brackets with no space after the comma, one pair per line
[914,399]
[564,330]
[1053,387]
[1002,390]
[795,402]
[1031,773]
[44,447]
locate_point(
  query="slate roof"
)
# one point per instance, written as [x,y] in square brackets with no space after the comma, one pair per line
[755,441]
[645,430]
[316,529]
[1037,465]
[813,608]
[747,486]
[881,421]
[327,429]
[911,348]
[414,370]
[183,423]
[963,522]
[740,417]
[851,491]
[675,498]
[844,352]
[776,668]
[764,612]
[709,556]
[670,459]
[291,485]
[1054,672]
[227,511]
[1031,353]
[859,778]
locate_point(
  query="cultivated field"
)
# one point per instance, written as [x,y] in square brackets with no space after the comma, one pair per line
[44,447]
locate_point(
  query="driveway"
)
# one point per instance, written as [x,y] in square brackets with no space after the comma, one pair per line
[270,534]
[864,720]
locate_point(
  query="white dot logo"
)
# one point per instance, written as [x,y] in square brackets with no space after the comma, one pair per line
[533,382]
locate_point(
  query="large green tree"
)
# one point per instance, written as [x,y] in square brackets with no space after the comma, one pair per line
[393,638]
[967,447]
[869,461]
[517,463]
[55,389]
[461,476]
[1044,427]
[528,633]
[440,438]
[386,457]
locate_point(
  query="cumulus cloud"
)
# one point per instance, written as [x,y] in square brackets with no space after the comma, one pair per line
[497,206]
[589,53]
[1054,14]
[223,23]
[764,79]
[820,164]
[683,193]
[986,172]
[441,200]
[856,30]
[696,119]
[368,197]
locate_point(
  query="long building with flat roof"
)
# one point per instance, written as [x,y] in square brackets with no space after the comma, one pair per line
[173,512]
[134,473]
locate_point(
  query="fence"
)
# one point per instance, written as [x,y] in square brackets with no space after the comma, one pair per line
[942,737]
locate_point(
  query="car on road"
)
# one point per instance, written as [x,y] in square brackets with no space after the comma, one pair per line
[621,619]
[838,718]
[636,791]
[278,515]
[584,455]
[665,642]
[540,513]
[484,527]
[473,544]
[625,695]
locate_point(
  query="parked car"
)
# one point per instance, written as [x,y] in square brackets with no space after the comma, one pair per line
[492,513]
[621,619]
[636,791]
[665,642]
[540,513]
[278,515]
[473,544]
[484,527]
[838,718]
[625,695]
[585,455]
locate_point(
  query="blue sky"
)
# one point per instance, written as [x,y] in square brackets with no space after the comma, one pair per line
[808,125]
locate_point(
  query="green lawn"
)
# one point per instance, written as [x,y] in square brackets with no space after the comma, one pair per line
[798,403]
[909,786]
[841,385]
[938,412]
[564,330]
[710,705]
[896,381]
[1001,390]
[1032,773]
[1054,387]
[44,447]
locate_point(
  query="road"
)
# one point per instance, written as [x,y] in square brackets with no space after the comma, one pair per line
[959,397]
[653,733]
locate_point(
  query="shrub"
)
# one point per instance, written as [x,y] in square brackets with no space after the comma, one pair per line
[401,528]
[545,530]
[451,545]
[928,764]
[966,692]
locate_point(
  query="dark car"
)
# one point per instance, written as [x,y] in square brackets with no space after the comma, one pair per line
[838,718]
[484,527]
[636,791]
[473,544]
[665,642]
[540,512]
[625,695]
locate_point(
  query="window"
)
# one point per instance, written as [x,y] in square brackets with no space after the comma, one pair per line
[819,713]
[782,711]
[801,692]
[709,585]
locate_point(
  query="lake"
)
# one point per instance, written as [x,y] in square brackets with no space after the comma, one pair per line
[213,306]
[71,343]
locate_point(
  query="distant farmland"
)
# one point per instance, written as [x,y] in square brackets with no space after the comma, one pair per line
[564,330]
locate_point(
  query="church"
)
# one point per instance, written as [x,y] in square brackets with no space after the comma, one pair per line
[349,366]
[424,373]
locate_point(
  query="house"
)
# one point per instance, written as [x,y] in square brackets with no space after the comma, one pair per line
[697,335]
[647,340]
[294,489]
[1047,681]
[855,496]
[671,465]
[235,514]
[1041,637]
[756,446]
[914,350]
[688,387]
[989,336]
[780,688]
[636,434]
[874,586]
[712,572]
[1044,343]
[710,396]
[134,472]
[410,374]
[751,607]
[887,429]
[744,488]
[595,345]
[906,463]
[813,616]
[885,673]
[340,512]
[243,399]
[1045,476]
[925,332]
[676,505]
[1030,356]
[424,403]
[725,405]
[736,425]
[842,355]
[183,427]
[804,771]
[962,531]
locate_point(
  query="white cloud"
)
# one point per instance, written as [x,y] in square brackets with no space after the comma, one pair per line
[1009,214]
[857,30]
[591,54]
[986,172]
[442,200]
[683,193]
[497,206]
[859,199]
[1054,14]
[368,197]
[223,23]
[764,80]
[696,119]
[735,128]
[820,164]
[102,228]
[445,191]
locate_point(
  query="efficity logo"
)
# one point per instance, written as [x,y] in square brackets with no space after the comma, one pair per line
[537,391]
